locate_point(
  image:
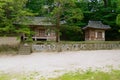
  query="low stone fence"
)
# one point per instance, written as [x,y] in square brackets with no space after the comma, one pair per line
[9,41]
[75,46]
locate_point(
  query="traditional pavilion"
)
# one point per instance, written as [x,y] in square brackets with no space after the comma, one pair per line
[41,26]
[95,31]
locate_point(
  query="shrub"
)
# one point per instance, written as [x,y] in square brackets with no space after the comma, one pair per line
[8,49]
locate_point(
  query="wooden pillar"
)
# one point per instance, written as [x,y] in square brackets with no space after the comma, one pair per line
[36,32]
[89,38]
[35,38]
[103,35]
[96,35]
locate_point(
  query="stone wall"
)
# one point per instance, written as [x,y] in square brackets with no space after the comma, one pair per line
[9,41]
[75,46]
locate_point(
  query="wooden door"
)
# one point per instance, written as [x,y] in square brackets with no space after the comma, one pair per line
[99,34]
[92,34]
[40,33]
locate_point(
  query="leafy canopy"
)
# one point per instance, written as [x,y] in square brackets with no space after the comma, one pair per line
[118,16]
[67,9]
[11,12]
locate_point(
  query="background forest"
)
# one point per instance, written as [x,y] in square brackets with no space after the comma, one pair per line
[75,13]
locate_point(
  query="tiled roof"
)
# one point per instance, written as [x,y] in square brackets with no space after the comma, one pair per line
[96,25]
[38,21]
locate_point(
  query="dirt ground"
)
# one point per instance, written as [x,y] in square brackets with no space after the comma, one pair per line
[49,64]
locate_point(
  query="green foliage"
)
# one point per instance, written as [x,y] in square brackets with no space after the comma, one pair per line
[100,11]
[67,10]
[118,6]
[11,12]
[36,6]
[78,75]
[71,33]
[8,49]
[118,16]
[39,7]
[28,76]
[118,19]
[90,75]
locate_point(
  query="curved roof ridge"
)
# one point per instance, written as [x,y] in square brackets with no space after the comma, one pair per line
[97,25]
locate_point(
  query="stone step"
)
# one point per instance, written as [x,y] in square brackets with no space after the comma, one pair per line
[24,50]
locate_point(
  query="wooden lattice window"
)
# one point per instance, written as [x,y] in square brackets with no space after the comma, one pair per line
[99,35]
[42,32]
[92,34]
[87,34]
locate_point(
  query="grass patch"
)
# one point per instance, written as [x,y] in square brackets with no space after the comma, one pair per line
[90,75]
[78,75]
[25,76]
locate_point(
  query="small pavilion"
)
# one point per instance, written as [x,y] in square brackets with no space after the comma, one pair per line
[43,29]
[95,31]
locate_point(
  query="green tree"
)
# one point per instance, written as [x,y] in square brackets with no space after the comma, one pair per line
[71,33]
[64,10]
[105,11]
[118,19]
[118,16]
[39,7]
[35,6]
[12,12]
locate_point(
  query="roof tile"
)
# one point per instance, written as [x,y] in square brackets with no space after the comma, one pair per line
[96,25]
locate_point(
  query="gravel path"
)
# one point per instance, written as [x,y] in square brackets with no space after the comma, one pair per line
[54,63]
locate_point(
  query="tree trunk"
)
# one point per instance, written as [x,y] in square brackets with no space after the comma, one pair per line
[58,23]
[105,3]
[57,27]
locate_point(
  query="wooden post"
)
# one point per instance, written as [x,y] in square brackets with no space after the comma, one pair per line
[58,24]
[103,35]
[96,34]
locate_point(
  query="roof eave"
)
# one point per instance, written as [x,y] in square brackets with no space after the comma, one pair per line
[84,28]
